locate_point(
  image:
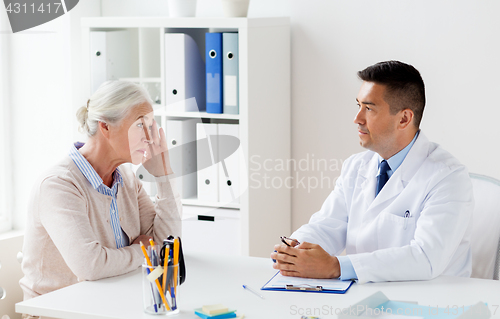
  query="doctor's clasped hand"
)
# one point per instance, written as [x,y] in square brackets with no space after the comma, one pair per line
[305,260]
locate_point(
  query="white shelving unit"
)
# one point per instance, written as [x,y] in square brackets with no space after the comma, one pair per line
[263,211]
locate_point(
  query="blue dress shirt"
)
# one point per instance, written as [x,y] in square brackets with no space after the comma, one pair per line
[346,269]
[96,181]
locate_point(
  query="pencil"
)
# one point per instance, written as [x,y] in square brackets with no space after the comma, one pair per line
[176,265]
[156,280]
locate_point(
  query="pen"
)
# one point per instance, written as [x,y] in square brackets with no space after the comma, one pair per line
[283,240]
[165,268]
[252,291]
[155,263]
[407,215]
[149,271]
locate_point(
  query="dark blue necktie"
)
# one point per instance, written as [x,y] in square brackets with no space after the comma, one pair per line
[383,177]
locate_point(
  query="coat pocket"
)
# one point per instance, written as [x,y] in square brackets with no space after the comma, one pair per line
[394,230]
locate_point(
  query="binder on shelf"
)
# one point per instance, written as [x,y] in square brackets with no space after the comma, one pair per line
[207,162]
[332,286]
[230,69]
[111,57]
[184,74]
[213,58]
[181,141]
[229,169]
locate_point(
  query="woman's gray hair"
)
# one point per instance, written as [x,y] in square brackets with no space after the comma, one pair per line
[111,103]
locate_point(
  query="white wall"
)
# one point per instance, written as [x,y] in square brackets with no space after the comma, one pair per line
[454,44]
[42,64]
[5,129]
[204,8]
[38,93]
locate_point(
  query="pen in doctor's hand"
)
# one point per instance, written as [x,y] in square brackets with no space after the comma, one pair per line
[252,291]
[283,240]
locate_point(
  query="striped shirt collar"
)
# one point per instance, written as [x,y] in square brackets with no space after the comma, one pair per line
[88,171]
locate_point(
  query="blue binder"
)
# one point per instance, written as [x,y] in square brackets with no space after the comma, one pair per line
[213,62]
[230,67]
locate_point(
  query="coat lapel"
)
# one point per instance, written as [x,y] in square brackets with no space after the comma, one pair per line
[398,181]
[368,172]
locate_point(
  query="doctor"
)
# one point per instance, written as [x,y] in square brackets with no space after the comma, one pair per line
[401,210]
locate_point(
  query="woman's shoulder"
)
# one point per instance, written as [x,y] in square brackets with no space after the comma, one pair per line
[63,172]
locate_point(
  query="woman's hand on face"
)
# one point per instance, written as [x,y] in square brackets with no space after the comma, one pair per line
[156,160]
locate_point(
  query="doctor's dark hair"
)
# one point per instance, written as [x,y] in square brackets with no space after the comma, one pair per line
[405,87]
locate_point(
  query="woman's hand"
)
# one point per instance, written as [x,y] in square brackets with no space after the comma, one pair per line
[144,239]
[156,160]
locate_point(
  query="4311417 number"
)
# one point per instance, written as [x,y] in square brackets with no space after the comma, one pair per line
[34,8]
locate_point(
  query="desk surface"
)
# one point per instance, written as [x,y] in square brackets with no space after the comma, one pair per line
[219,279]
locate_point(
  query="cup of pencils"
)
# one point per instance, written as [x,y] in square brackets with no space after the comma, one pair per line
[160,279]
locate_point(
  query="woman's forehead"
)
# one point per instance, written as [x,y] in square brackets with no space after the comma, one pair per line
[144,110]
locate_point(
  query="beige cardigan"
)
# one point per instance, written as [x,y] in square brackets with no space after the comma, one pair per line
[68,234]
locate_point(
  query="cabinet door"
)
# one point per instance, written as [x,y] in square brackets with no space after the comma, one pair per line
[211,230]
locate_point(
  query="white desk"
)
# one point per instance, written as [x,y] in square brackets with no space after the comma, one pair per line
[217,279]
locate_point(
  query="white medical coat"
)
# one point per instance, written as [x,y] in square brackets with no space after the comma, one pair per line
[435,240]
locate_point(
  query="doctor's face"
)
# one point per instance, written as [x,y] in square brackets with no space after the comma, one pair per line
[377,127]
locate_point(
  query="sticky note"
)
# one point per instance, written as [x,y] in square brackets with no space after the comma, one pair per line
[155,274]
[214,309]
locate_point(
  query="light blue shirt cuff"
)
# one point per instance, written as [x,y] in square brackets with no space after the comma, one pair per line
[346,269]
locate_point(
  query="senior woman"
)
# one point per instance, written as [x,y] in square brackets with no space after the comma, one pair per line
[88,213]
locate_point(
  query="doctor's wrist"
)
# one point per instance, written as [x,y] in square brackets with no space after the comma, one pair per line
[335,273]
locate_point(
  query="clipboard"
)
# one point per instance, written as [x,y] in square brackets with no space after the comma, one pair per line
[329,286]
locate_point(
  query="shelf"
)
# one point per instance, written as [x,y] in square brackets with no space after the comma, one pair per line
[142,80]
[204,115]
[167,22]
[196,202]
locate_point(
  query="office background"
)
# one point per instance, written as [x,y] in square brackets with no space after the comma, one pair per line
[454,44]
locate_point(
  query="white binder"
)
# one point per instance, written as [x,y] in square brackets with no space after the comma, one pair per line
[111,57]
[181,141]
[184,74]
[229,168]
[207,161]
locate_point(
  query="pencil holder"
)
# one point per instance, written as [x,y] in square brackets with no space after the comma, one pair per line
[159,286]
